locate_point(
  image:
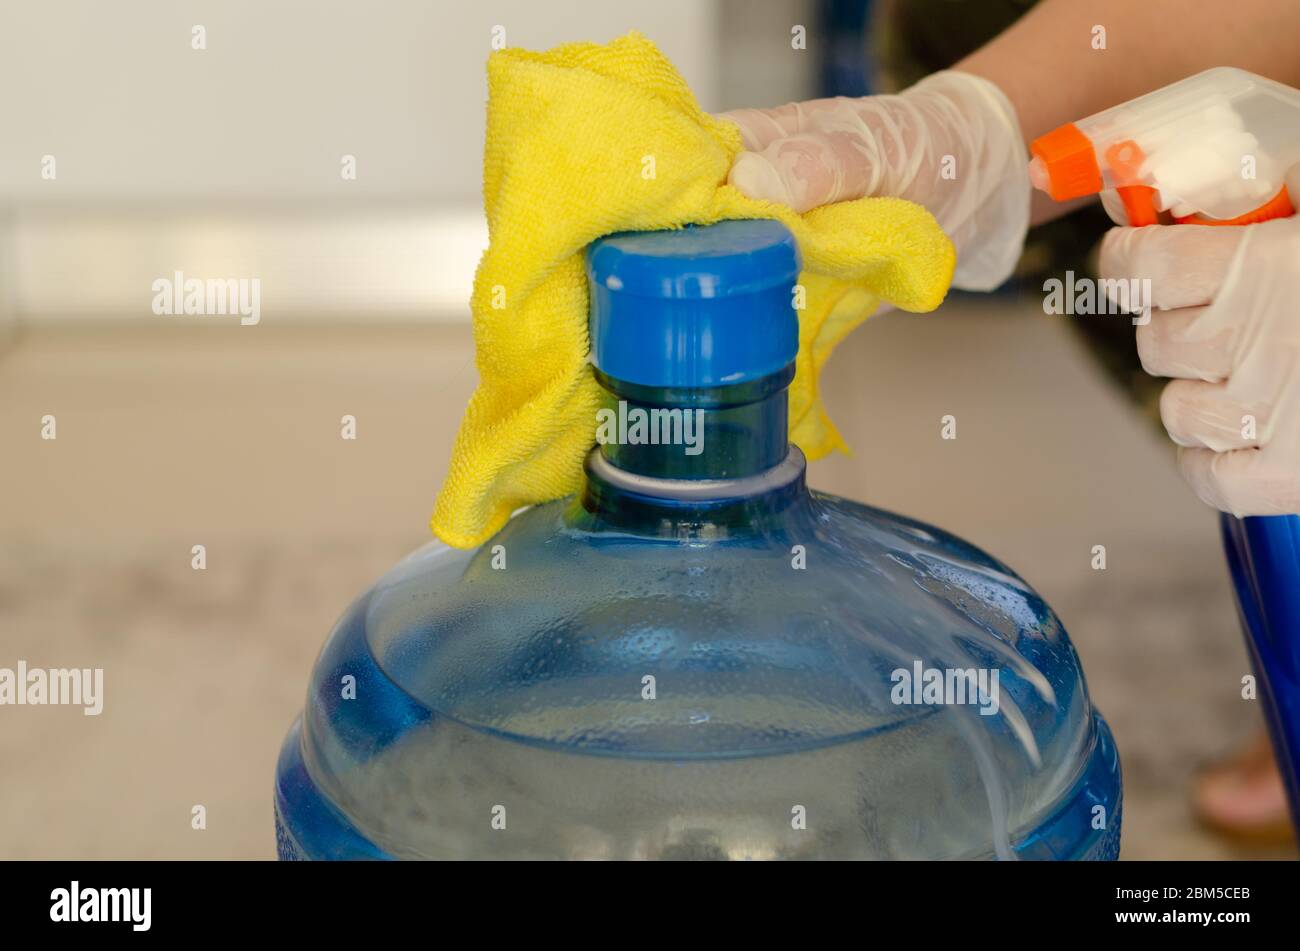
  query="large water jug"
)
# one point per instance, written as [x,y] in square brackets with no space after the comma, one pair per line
[697,656]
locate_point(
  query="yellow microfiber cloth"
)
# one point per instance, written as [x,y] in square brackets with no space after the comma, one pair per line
[585,140]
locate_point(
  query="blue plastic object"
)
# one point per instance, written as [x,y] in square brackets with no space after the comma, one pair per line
[700,307]
[697,656]
[1264,559]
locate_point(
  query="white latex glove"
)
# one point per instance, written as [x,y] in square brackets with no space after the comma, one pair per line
[1227,329]
[951,143]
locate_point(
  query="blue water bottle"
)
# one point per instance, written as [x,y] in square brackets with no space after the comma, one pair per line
[697,656]
[1264,559]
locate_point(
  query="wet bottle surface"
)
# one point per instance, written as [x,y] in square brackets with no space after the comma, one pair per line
[698,656]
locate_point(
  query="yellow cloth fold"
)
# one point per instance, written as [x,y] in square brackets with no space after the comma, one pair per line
[588,139]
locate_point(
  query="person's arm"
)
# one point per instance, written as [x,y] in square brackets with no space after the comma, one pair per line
[1041,72]
[1048,65]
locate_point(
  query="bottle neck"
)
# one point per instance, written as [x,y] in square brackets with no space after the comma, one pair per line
[678,462]
[713,433]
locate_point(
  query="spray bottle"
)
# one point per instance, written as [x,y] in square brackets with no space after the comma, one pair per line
[1212,149]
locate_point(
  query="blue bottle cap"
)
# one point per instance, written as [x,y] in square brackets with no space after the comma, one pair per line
[698,307]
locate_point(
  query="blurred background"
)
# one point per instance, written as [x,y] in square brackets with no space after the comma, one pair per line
[213,138]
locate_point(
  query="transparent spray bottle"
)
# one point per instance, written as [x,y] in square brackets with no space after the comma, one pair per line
[1213,149]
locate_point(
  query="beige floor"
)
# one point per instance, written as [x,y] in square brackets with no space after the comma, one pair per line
[175,435]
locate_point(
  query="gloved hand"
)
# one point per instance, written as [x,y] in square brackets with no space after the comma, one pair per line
[951,143]
[1227,329]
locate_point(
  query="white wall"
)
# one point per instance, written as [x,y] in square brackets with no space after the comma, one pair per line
[113,90]
[225,161]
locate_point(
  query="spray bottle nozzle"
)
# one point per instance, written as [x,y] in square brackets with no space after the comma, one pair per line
[1212,148]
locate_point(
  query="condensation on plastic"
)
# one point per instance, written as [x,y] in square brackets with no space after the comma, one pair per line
[524,688]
